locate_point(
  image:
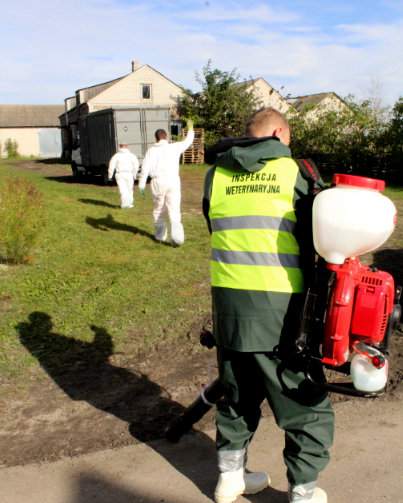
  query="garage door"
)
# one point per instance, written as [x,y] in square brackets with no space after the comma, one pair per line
[50,142]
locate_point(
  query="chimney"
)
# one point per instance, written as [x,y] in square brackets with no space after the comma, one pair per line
[135,65]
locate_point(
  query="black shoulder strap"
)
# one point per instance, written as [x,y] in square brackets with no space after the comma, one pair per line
[311,173]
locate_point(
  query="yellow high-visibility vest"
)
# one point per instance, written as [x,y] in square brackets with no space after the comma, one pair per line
[253,220]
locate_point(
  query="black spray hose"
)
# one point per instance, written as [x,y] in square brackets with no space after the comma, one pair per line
[206,400]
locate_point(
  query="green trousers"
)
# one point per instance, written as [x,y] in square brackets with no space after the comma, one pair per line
[301,409]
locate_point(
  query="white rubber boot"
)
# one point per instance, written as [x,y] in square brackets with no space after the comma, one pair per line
[300,494]
[232,484]
[161,232]
[255,482]
[177,234]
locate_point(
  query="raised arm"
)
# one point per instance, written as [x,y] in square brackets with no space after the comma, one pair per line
[185,144]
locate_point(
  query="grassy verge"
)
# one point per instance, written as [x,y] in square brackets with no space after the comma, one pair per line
[97,265]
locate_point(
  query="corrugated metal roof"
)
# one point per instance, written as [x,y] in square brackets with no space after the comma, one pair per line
[12,116]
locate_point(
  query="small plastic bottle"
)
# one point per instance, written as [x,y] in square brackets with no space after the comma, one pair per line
[369,371]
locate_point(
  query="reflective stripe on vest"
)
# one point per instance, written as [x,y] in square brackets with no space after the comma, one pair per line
[253,220]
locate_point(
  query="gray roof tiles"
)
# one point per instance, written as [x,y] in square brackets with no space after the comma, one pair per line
[16,116]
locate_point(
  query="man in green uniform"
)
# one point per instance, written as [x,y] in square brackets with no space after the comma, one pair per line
[257,203]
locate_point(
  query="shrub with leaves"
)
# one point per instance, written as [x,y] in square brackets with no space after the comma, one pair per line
[223,105]
[21,220]
[352,140]
[11,147]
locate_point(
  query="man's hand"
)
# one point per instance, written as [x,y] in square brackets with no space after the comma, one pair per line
[189,124]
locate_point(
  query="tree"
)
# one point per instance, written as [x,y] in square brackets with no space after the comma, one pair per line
[350,140]
[223,105]
[395,132]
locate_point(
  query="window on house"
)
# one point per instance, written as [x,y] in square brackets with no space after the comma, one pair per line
[146,91]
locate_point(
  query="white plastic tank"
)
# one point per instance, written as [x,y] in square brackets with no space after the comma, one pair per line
[351,218]
[365,375]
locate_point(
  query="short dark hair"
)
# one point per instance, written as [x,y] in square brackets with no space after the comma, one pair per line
[263,118]
[160,134]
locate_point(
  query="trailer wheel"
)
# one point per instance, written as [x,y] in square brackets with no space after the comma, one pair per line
[74,169]
[104,176]
[78,174]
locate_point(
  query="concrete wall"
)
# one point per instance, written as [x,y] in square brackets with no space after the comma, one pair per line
[36,142]
[128,91]
[27,139]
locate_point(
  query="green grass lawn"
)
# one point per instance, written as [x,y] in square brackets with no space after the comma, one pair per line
[97,265]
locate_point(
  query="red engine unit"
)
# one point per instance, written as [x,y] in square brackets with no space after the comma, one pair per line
[361,302]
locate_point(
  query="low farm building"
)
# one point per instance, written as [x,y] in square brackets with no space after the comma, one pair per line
[34,129]
[144,86]
[313,105]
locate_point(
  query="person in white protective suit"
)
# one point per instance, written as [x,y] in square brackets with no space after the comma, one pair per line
[161,163]
[125,166]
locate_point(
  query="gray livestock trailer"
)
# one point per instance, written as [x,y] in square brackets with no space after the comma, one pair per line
[100,134]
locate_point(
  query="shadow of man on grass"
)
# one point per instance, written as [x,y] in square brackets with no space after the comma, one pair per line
[83,371]
[108,222]
[99,202]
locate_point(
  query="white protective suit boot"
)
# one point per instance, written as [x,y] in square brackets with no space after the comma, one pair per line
[161,231]
[232,484]
[177,233]
[307,493]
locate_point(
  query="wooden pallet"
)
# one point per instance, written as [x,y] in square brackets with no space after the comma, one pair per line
[195,153]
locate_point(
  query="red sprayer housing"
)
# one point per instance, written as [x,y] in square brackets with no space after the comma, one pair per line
[360,305]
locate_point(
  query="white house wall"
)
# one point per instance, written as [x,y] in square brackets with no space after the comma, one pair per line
[328,104]
[128,91]
[35,142]
[27,140]
[268,96]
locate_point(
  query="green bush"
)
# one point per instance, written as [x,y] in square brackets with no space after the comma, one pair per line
[223,105]
[21,220]
[11,147]
[356,140]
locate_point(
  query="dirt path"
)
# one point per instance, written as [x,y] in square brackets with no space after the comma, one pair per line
[93,404]
[367,465]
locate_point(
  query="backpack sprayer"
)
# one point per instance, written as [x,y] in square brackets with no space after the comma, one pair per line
[351,309]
